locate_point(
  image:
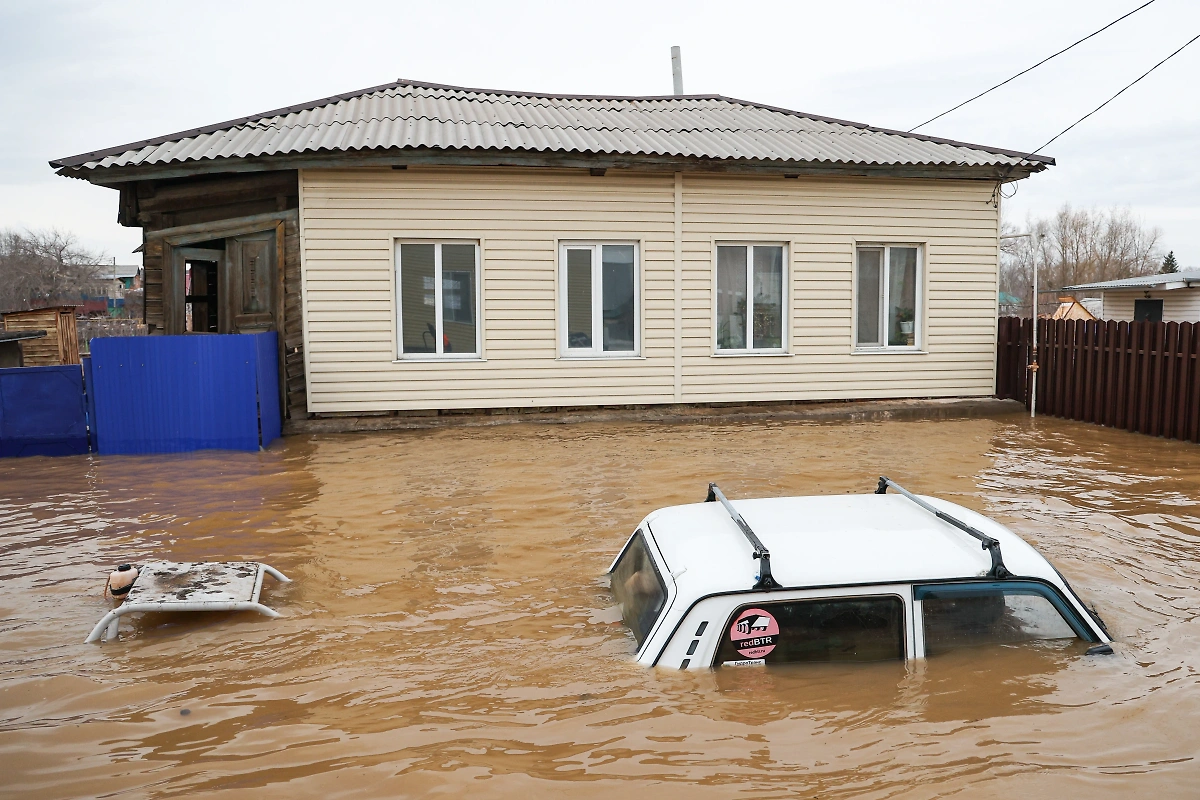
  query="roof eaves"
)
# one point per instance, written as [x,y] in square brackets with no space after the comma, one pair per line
[83,158]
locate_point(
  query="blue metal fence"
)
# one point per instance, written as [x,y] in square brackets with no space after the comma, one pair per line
[166,394]
[42,412]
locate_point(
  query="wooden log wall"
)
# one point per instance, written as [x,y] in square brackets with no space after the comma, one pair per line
[158,205]
[1139,376]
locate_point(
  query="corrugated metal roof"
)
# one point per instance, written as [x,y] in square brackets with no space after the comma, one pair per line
[407,114]
[1185,279]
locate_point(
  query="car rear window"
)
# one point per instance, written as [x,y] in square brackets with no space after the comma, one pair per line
[842,629]
[965,615]
[639,588]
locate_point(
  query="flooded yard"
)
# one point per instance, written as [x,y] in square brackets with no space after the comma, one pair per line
[449,629]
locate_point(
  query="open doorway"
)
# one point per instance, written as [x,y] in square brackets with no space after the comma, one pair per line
[202,295]
[227,285]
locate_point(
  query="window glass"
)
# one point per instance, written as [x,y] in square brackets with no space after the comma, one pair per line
[842,629]
[902,296]
[618,297]
[638,588]
[579,298]
[437,277]
[768,297]
[458,298]
[886,292]
[731,298]
[870,294]
[962,616]
[1147,310]
[754,319]
[418,299]
[599,298]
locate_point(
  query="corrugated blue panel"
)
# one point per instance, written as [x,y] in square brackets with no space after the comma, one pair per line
[266,346]
[167,394]
[41,411]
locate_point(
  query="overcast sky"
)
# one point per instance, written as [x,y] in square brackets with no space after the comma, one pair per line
[78,76]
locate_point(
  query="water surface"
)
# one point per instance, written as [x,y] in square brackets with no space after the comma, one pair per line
[449,629]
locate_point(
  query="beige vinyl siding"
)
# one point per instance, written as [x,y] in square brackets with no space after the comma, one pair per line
[352,218]
[1179,305]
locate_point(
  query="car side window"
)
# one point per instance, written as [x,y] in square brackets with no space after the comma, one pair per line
[638,588]
[964,615]
[834,629]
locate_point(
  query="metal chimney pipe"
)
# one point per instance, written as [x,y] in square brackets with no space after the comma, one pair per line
[677,71]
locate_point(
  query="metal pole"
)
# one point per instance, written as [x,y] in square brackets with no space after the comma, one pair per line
[677,71]
[1033,368]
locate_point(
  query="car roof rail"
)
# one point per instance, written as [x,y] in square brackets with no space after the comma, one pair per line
[765,580]
[990,544]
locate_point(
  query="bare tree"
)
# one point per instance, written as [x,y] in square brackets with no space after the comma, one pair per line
[1076,246]
[45,267]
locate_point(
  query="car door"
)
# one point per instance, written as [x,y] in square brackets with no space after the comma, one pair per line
[974,613]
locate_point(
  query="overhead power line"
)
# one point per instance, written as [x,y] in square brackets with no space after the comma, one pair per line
[1030,69]
[1115,96]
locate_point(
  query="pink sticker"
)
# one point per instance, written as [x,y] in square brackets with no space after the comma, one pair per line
[754,633]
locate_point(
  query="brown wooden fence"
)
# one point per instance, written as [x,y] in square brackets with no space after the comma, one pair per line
[1140,376]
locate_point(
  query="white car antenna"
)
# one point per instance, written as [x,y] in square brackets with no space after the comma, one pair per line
[991,545]
[766,581]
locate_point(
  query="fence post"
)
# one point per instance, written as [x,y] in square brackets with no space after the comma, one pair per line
[1194,402]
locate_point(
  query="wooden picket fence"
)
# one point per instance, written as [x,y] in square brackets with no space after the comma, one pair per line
[1140,376]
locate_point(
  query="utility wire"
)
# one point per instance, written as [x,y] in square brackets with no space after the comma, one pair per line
[1031,69]
[1118,94]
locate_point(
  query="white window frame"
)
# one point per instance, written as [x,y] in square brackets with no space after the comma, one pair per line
[885,296]
[786,322]
[597,351]
[438,355]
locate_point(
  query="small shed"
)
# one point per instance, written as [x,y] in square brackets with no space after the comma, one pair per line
[12,353]
[61,342]
[1167,297]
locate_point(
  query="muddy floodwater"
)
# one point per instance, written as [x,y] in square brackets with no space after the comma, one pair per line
[449,630]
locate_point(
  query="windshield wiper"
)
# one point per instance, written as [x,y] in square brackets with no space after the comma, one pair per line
[766,581]
[991,545]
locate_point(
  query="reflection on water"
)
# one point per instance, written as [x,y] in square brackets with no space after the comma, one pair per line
[450,629]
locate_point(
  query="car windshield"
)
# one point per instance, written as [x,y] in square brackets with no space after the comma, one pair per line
[639,588]
[965,615]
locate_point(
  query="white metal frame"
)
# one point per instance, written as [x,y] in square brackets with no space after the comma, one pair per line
[438,354]
[785,300]
[108,625]
[885,291]
[597,351]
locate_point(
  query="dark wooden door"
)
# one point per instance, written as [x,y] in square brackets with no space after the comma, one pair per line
[251,273]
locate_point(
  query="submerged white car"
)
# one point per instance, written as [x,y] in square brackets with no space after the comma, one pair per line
[835,578]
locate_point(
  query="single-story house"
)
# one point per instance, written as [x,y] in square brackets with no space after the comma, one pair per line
[1166,297]
[423,247]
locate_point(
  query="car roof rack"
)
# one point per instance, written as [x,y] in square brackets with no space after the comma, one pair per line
[765,581]
[991,545]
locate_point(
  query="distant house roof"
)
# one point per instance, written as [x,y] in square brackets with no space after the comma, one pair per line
[408,115]
[1070,308]
[1183,279]
[112,271]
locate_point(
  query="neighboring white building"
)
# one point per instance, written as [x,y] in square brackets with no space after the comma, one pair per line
[1167,297]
